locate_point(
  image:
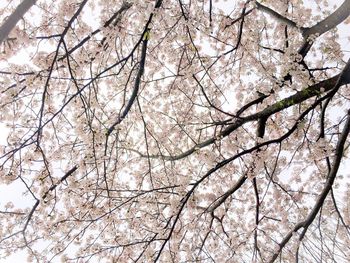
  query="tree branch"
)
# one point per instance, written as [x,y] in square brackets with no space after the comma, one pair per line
[13,19]
[300,96]
[321,198]
[136,86]
[276,15]
[331,21]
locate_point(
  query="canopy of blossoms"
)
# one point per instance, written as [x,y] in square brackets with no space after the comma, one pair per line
[175,130]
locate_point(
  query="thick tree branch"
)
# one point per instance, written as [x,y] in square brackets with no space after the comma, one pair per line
[316,89]
[331,21]
[13,19]
[227,194]
[145,37]
[136,86]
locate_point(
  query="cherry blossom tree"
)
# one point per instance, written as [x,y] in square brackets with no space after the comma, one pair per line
[175,131]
